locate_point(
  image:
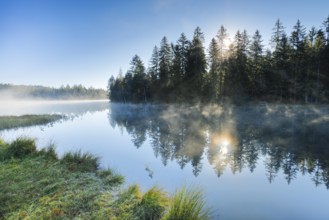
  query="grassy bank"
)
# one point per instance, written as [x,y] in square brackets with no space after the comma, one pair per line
[39,185]
[8,122]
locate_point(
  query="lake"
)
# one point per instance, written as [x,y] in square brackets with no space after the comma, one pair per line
[261,161]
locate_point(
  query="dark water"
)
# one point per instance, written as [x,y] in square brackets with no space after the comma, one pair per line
[253,162]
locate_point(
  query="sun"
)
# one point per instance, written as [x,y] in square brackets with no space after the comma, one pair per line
[227,42]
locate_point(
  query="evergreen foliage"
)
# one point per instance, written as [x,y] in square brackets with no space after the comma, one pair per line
[295,69]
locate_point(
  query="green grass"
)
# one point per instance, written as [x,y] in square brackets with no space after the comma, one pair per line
[8,122]
[83,162]
[188,204]
[133,204]
[19,148]
[36,184]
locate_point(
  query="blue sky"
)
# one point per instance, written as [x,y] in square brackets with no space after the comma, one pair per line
[59,42]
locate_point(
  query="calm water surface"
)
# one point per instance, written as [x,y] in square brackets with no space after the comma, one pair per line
[253,162]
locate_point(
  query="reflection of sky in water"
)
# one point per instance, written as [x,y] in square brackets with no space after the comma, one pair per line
[237,193]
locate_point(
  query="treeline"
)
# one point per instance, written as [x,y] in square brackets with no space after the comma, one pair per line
[8,91]
[295,69]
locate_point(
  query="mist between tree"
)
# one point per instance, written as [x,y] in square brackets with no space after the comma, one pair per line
[291,139]
[294,70]
[10,92]
[62,107]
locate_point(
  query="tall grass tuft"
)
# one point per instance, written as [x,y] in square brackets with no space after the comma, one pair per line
[80,162]
[110,178]
[3,148]
[2,142]
[20,148]
[187,204]
[49,152]
[132,204]
[153,204]
[125,205]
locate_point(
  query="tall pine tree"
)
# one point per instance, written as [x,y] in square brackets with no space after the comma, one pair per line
[222,37]
[255,65]
[279,79]
[214,80]
[196,67]
[297,40]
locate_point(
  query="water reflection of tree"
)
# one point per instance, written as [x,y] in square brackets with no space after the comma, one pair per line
[291,139]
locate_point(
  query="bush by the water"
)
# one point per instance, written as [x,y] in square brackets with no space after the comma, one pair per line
[35,184]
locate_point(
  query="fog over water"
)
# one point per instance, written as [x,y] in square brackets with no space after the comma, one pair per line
[253,161]
[21,107]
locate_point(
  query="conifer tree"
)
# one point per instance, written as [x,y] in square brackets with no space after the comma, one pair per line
[154,65]
[255,64]
[164,62]
[238,82]
[222,37]
[179,65]
[279,79]
[138,80]
[297,40]
[214,80]
[196,67]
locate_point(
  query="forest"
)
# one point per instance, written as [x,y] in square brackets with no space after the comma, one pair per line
[42,92]
[295,69]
